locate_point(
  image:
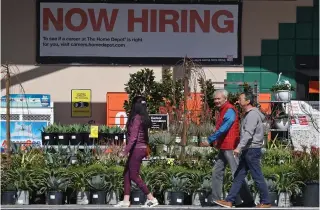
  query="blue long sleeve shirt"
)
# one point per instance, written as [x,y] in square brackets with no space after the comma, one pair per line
[228,120]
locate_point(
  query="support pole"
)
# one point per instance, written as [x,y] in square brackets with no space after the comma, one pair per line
[8,111]
[185,107]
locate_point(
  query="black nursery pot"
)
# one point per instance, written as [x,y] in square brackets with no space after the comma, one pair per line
[205,199]
[71,196]
[8,197]
[55,198]
[75,139]
[37,198]
[137,197]
[120,136]
[274,197]
[63,138]
[98,197]
[311,194]
[49,138]
[86,139]
[103,138]
[177,198]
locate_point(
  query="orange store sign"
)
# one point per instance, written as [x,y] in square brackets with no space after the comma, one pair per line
[116,115]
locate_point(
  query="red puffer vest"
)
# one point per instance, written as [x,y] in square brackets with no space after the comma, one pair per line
[230,139]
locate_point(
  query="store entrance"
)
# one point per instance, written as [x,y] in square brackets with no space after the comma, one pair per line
[307,83]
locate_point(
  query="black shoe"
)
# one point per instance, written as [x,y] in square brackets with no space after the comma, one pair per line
[242,205]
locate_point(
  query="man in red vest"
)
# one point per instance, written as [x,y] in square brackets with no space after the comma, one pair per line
[226,139]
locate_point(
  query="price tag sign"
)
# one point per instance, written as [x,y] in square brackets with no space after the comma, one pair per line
[94,131]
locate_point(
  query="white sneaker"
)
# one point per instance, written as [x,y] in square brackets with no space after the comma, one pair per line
[151,203]
[122,204]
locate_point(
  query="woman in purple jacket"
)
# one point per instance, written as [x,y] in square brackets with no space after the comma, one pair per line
[137,147]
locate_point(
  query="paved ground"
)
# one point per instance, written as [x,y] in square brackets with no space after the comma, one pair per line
[107,207]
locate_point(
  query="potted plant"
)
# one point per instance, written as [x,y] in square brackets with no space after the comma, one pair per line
[162,142]
[119,133]
[62,135]
[272,188]
[103,134]
[55,185]
[206,189]
[75,137]
[287,186]
[137,197]
[78,182]
[282,91]
[115,180]
[85,132]
[49,134]
[193,132]
[307,167]
[24,181]
[98,186]
[178,187]
[8,189]
[201,188]
[205,130]
[116,134]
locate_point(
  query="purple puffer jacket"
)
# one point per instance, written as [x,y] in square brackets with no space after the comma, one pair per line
[135,135]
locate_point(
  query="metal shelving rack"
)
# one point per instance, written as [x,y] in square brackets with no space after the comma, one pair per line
[256,92]
[287,106]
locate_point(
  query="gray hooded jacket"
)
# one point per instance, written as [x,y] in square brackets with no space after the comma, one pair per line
[252,130]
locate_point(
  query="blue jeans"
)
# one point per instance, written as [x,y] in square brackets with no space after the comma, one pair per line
[250,159]
[226,157]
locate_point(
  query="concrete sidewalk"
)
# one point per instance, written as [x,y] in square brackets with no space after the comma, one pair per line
[108,207]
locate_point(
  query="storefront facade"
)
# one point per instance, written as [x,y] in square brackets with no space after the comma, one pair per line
[260,33]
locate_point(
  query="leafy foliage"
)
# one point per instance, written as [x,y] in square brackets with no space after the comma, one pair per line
[31,170]
[307,164]
[172,88]
[207,98]
[281,86]
[143,83]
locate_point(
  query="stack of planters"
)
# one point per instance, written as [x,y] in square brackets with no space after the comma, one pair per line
[77,134]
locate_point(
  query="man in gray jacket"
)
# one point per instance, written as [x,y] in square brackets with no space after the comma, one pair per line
[249,150]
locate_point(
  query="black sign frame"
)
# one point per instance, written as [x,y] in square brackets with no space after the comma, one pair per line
[86,60]
[159,125]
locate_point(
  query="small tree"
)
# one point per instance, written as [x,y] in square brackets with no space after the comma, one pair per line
[143,83]
[207,98]
[173,90]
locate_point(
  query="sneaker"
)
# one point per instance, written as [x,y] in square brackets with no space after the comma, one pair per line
[151,203]
[123,204]
[224,203]
[263,206]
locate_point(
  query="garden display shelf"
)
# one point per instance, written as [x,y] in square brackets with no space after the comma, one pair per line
[106,207]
